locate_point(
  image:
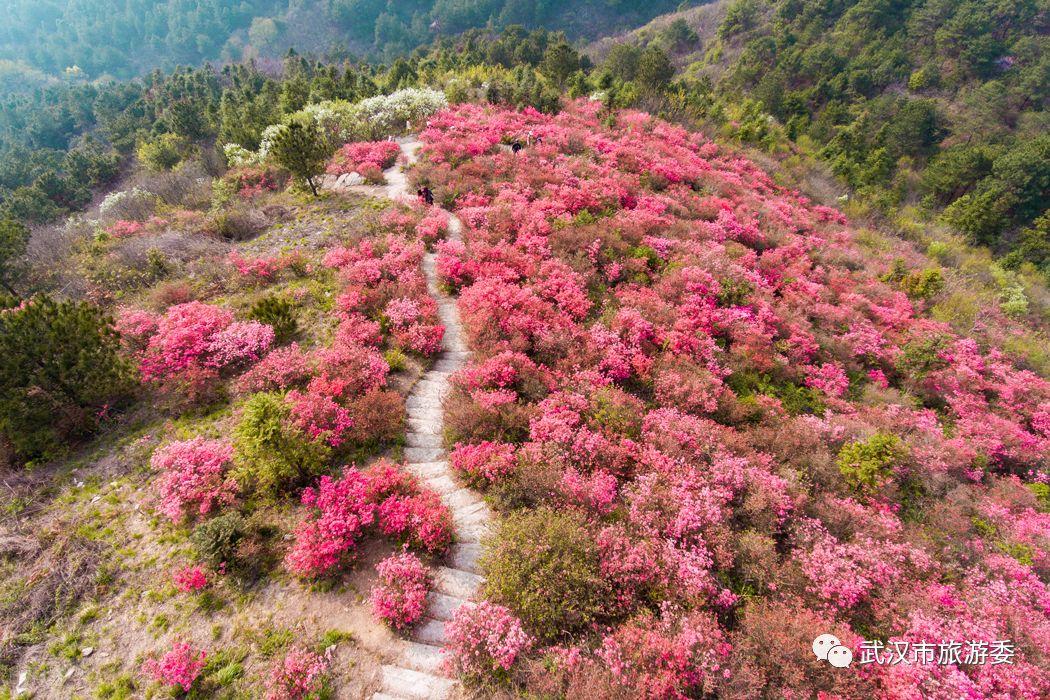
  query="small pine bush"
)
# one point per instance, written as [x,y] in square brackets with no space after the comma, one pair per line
[215,541]
[278,313]
[272,454]
[544,565]
[868,464]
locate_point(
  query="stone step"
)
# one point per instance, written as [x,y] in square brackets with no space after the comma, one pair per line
[472,532]
[415,403]
[449,364]
[430,631]
[425,426]
[465,555]
[441,606]
[414,439]
[474,513]
[441,483]
[425,470]
[406,683]
[426,658]
[423,454]
[456,582]
[460,498]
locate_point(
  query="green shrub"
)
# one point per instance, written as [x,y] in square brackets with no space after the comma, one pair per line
[162,153]
[544,565]
[272,454]
[279,313]
[868,464]
[924,284]
[1042,494]
[60,367]
[215,541]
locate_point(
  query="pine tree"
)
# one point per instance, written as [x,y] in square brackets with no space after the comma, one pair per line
[301,148]
[60,366]
[14,237]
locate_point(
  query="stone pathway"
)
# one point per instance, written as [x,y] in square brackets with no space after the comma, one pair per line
[416,672]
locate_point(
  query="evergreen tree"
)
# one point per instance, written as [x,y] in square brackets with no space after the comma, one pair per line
[14,237]
[60,366]
[301,148]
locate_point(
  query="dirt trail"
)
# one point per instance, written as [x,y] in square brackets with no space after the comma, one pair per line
[416,671]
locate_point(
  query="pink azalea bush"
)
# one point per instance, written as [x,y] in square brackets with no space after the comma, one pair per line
[190,579]
[341,512]
[399,597]
[296,675]
[484,639]
[693,360]
[179,667]
[367,155]
[200,337]
[193,477]
[264,268]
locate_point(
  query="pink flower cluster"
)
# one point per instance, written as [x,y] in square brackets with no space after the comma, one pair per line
[341,511]
[484,639]
[193,477]
[125,229]
[298,674]
[384,278]
[362,156]
[679,349]
[190,579]
[264,268]
[399,598]
[178,667]
[197,336]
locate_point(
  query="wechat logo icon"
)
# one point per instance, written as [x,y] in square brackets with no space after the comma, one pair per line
[828,647]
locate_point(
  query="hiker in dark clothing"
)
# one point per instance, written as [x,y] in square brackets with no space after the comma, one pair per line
[516,146]
[428,196]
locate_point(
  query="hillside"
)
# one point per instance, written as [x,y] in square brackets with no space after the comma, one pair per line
[89,39]
[684,421]
[932,106]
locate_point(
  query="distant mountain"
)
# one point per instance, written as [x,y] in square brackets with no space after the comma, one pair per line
[91,38]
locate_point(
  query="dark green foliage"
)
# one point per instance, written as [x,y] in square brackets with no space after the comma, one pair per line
[968,122]
[13,240]
[279,313]
[272,454]
[867,464]
[215,541]
[60,367]
[654,70]
[544,565]
[302,149]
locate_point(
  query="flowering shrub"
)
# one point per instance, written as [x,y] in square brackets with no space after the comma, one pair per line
[279,369]
[197,338]
[484,639]
[708,381]
[484,462]
[339,512]
[193,479]
[353,157]
[408,511]
[125,229]
[399,598]
[264,268]
[298,674]
[190,579]
[178,667]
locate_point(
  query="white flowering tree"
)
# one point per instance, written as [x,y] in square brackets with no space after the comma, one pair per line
[341,121]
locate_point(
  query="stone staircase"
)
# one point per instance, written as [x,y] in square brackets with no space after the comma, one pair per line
[416,671]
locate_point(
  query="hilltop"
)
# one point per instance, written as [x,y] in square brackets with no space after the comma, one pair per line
[723,410]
